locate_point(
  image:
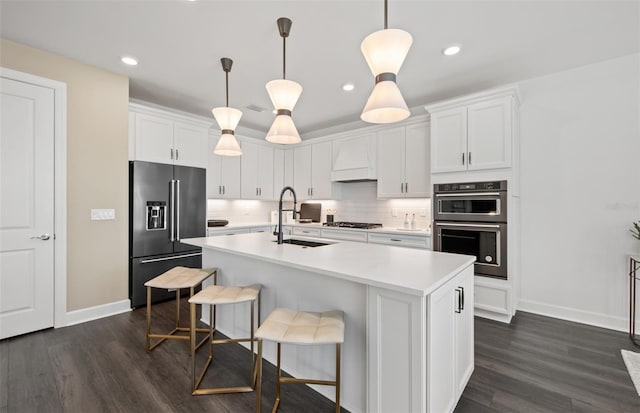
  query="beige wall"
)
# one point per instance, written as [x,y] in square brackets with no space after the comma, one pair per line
[97,172]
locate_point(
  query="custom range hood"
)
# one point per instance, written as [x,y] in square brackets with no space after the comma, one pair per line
[354,159]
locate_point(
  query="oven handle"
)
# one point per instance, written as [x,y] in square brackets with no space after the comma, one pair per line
[451,224]
[469,194]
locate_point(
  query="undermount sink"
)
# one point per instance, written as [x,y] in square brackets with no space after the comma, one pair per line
[304,243]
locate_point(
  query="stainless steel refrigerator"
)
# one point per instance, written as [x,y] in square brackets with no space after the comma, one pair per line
[167,203]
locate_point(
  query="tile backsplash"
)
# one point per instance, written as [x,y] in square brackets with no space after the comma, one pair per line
[358,204]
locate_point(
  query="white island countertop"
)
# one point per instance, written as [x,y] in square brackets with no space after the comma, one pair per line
[406,270]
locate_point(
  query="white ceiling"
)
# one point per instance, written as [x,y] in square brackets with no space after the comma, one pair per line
[179,45]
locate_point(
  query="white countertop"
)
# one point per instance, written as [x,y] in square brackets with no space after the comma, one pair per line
[383,230]
[407,270]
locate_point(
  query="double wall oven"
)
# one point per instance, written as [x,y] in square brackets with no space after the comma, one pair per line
[471,218]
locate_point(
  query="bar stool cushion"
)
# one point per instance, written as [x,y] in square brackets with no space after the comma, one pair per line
[180,277]
[218,294]
[298,327]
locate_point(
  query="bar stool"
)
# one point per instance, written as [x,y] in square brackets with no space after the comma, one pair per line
[213,296]
[297,327]
[178,278]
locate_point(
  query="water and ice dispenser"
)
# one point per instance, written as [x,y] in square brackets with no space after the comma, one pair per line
[156,215]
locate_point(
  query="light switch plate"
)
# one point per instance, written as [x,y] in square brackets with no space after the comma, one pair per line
[394,212]
[103,214]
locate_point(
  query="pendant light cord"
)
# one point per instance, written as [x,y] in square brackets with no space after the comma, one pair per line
[227,87]
[385,14]
[284,57]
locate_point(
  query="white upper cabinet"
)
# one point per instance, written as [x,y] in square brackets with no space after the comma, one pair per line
[354,158]
[474,132]
[223,173]
[153,139]
[190,143]
[403,162]
[312,172]
[321,171]
[257,171]
[165,137]
[489,134]
[449,140]
[282,172]
[302,171]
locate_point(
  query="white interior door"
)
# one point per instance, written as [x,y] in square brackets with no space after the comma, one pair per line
[26,207]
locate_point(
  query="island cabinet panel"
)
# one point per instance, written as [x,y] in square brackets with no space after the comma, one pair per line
[396,351]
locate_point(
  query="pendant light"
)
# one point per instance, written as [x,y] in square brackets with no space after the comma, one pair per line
[284,94]
[227,118]
[385,51]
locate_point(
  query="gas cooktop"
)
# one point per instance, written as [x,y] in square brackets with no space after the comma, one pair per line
[360,225]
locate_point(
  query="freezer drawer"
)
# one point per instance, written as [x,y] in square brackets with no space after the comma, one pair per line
[144,269]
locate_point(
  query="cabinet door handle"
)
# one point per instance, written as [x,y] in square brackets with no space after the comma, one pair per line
[395,240]
[223,190]
[172,153]
[406,187]
[469,158]
[402,187]
[459,307]
[463,158]
[177,154]
[260,191]
[462,300]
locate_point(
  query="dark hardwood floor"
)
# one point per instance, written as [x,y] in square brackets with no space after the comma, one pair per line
[535,364]
[541,364]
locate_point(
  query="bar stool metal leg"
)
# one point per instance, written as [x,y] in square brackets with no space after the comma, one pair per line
[253,374]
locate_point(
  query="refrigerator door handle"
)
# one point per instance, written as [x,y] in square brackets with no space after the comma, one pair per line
[178,210]
[175,257]
[172,202]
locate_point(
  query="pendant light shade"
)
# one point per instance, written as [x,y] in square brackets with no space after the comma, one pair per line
[228,119]
[284,95]
[385,51]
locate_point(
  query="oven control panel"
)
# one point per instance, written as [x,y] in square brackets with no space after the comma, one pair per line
[472,187]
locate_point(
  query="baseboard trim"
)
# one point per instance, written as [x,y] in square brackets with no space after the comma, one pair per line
[572,314]
[99,311]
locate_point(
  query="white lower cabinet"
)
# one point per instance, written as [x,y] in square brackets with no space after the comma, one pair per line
[228,231]
[266,228]
[400,240]
[450,358]
[307,232]
[358,236]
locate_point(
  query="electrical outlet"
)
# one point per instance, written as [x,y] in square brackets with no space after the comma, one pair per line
[103,214]
[394,212]
[423,212]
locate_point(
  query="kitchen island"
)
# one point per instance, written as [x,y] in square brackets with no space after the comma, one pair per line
[408,315]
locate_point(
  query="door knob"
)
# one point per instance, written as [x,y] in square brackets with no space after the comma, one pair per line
[42,237]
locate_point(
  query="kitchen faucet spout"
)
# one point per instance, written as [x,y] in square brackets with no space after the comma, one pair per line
[295,201]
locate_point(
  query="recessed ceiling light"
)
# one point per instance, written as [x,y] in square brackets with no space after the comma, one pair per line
[452,50]
[127,60]
[348,87]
